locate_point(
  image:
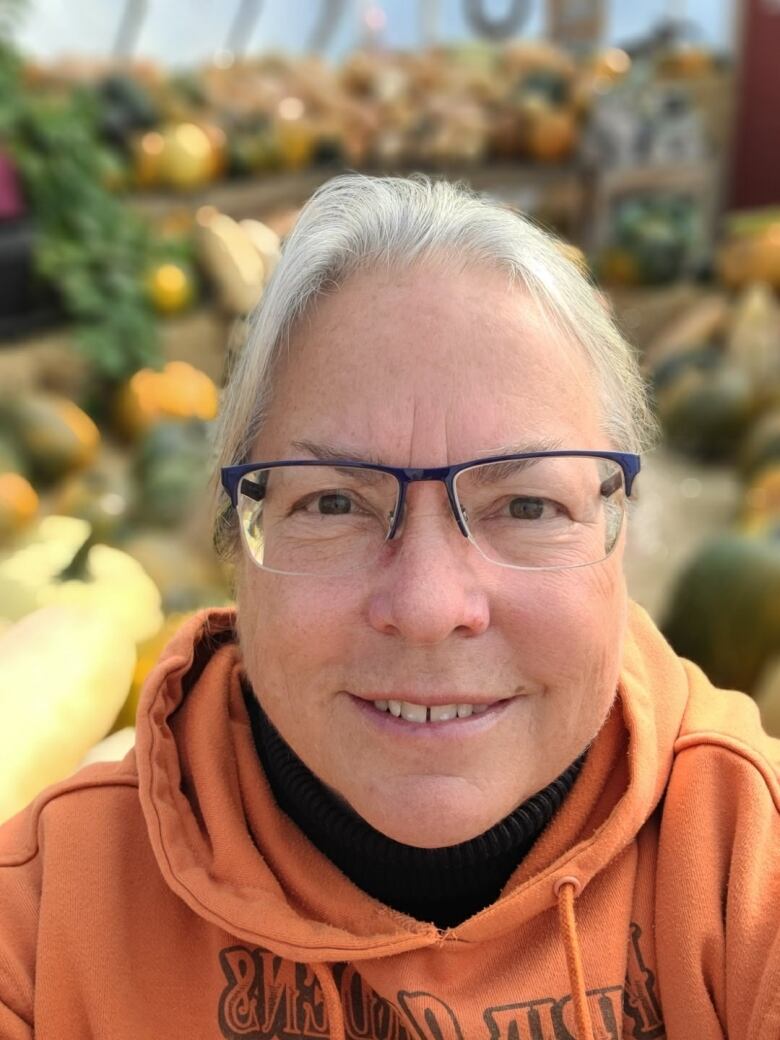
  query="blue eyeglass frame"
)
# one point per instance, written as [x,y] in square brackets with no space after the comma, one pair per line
[406,475]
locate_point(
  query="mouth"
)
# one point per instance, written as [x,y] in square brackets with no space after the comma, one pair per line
[429,714]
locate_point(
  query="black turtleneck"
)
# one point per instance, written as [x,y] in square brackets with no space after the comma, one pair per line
[444,886]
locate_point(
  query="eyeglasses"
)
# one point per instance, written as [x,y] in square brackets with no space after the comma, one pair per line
[550,510]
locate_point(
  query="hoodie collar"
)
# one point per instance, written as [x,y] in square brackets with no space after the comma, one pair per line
[225,848]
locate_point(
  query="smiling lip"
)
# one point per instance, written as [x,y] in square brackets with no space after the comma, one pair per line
[427,731]
[430,700]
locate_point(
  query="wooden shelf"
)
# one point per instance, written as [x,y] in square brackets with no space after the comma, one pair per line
[51,359]
[529,186]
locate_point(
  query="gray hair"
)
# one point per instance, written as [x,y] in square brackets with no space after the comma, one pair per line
[355,223]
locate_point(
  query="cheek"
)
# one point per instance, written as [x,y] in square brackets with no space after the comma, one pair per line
[293,634]
[568,626]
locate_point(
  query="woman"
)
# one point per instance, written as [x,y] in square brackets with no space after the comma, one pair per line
[436,778]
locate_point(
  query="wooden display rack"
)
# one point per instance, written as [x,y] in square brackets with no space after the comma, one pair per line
[534,188]
[571,198]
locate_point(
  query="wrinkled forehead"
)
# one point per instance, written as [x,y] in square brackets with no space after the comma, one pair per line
[433,349]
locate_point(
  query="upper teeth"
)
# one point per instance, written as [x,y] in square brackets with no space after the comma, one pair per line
[422,713]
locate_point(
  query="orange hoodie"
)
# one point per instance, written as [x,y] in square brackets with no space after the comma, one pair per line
[167,896]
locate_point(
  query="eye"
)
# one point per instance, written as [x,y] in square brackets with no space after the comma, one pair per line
[334,504]
[527,508]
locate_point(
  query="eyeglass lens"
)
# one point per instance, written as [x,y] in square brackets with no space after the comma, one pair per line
[545,513]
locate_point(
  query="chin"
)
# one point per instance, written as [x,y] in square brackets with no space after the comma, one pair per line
[437,812]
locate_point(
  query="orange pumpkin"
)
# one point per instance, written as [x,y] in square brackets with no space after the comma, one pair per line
[179,391]
[551,134]
[18,504]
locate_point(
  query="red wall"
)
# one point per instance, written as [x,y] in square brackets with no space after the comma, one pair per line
[755,167]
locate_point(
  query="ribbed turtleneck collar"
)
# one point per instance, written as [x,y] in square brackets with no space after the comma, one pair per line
[445,886]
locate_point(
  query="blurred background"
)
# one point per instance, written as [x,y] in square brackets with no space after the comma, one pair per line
[153,155]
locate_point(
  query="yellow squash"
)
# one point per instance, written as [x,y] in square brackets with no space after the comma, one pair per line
[65,673]
[109,580]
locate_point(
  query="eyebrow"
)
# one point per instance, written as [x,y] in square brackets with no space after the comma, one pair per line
[327,451]
[543,444]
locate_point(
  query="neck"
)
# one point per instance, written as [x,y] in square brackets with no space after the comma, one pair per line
[446,885]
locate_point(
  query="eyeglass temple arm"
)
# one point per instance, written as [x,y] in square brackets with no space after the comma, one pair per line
[250,488]
[611,485]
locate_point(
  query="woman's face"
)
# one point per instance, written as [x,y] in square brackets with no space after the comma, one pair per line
[430,368]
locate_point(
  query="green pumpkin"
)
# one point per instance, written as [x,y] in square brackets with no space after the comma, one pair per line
[11,458]
[704,404]
[53,434]
[724,612]
[103,495]
[549,84]
[174,469]
[658,231]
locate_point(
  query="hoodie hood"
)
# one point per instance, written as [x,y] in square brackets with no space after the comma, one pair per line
[225,848]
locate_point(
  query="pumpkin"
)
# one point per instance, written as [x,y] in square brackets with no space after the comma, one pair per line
[187,578]
[266,242]
[103,495]
[117,585]
[54,434]
[234,265]
[552,136]
[55,563]
[179,391]
[751,256]
[549,84]
[724,612]
[18,504]
[659,231]
[11,458]
[219,148]
[505,136]
[700,322]
[550,132]
[188,158]
[170,287]
[253,151]
[618,266]
[173,467]
[761,505]
[761,446]
[146,154]
[660,249]
[753,341]
[297,140]
[768,697]
[66,672]
[704,404]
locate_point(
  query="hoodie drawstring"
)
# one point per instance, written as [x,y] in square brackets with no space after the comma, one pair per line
[566,889]
[332,1001]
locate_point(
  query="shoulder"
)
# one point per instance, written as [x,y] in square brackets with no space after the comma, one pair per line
[718,866]
[50,848]
[69,804]
[725,726]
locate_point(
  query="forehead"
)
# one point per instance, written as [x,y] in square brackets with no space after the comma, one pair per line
[440,360]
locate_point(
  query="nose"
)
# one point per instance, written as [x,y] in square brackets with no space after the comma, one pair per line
[427,588]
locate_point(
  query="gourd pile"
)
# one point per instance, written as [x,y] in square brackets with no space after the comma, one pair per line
[103,552]
[453,105]
[716,378]
[274,113]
